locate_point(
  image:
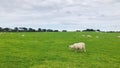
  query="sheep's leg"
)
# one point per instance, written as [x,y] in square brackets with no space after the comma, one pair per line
[84,50]
[77,50]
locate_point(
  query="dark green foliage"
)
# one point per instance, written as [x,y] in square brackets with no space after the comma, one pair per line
[43,30]
[39,30]
[64,30]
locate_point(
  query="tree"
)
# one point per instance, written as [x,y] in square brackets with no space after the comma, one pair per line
[7,29]
[39,30]
[1,29]
[78,31]
[23,29]
[89,30]
[56,30]
[43,30]
[49,30]
[64,30]
[16,29]
[30,29]
[98,30]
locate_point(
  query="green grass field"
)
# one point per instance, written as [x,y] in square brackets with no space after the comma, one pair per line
[50,50]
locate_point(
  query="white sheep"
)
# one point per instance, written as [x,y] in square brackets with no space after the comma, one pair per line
[97,36]
[78,46]
[118,36]
[83,35]
[89,36]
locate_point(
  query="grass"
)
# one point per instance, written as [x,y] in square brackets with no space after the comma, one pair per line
[50,50]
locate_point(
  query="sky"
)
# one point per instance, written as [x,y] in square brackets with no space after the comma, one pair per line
[61,14]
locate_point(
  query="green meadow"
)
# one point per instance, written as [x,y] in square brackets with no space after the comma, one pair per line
[50,50]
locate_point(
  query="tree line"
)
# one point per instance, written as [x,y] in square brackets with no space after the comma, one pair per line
[24,29]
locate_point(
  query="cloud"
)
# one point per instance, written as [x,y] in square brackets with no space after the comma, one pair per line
[59,12]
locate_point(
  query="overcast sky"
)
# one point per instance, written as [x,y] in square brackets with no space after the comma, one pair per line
[61,14]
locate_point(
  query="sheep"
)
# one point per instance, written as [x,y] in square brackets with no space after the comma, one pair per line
[83,35]
[118,36]
[89,36]
[78,47]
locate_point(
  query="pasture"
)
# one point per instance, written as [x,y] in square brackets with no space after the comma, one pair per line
[50,50]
